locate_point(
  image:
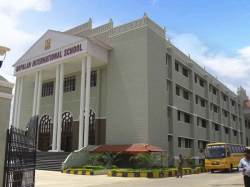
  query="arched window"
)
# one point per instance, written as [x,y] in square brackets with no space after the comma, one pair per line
[67,131]
[44,133]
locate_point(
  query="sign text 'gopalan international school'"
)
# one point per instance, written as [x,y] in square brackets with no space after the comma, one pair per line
[49,58]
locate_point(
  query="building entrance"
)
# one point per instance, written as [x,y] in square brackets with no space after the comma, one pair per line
[67,132]
[44,133]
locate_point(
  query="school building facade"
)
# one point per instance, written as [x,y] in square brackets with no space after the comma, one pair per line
[136,86]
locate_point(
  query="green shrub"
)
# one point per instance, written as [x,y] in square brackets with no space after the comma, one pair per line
[78,169]
[93,167]
[114,167]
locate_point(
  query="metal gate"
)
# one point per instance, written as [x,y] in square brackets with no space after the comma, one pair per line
[20,155]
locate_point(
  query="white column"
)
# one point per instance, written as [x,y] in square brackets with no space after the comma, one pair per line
[86,130]
[59,130]
[80,143]
[19,102]
[14,121]
[39,92]
[35,95]
[56,108]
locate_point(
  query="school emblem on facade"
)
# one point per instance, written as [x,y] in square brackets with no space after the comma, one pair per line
[47,44]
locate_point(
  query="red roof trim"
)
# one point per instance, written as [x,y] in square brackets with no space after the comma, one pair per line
[127,149]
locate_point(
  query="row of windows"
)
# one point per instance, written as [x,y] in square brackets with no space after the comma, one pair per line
[69,84]
[185,95]
[201,82]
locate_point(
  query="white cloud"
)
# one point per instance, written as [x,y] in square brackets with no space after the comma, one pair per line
[153,2]
[12,37]
[231,69]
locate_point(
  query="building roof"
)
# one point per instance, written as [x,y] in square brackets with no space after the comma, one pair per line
[3,79]
[127,149]
[246,103]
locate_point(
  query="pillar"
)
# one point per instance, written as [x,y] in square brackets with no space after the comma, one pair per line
[39,92]
[14,121]
[56,107]
[35,95]
[81,123]
[19,102]
[60,105]
[193,125]
[86,130]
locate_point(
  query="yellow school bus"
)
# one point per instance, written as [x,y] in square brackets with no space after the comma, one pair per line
[223,156]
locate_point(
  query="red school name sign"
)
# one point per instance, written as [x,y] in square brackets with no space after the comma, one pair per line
[49,58]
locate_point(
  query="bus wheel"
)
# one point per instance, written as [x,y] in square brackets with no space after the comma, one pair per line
[231,167]
[212,170]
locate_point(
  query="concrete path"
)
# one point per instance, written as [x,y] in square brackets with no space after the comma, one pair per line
[51,178]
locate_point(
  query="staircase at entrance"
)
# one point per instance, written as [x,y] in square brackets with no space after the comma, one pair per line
[51,161]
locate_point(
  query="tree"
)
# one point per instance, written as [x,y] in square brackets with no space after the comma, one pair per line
[169,157]
[111,159]
[148,160]
[94,158]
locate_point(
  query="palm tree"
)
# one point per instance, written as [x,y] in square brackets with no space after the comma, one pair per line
[144,159]
[111,159]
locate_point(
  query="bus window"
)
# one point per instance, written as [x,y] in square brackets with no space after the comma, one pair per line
[237,148]
[215,151]
[229,150]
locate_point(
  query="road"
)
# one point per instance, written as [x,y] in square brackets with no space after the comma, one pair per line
[51,178]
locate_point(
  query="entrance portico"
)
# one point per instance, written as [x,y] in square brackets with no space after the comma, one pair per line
[51,57]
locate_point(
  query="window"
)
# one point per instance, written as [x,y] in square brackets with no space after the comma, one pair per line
[232,103]
[198,122]
[248,124]
[179,116]
[166,59]
[210,88]
[167,86]
[215,109]
[93,78]
[234,133]
[203,103]
[185,72]
[178,91]
[225,113]
[179,142]
[185,95]
[201,83]
[47,89]
[169,112]
[211,106]
[195,79]
[186,118]
[196,100]
[203,122]
[204,144]
[176,66]
[247,141]
[69,84]
[214,91]
[226,130]
[224,98]
[245,123]
[187,143]
[216,127]
[234,118]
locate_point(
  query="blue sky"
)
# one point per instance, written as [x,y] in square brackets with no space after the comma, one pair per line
[215,33]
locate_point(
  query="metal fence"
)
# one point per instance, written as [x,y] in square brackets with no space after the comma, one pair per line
[20,155]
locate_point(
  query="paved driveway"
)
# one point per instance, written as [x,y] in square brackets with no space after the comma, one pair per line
[51,178]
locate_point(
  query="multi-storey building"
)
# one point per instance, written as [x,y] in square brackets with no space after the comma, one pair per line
[139,88]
